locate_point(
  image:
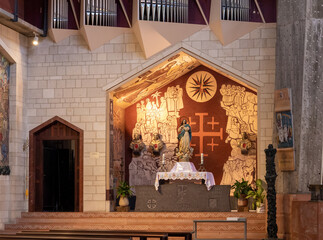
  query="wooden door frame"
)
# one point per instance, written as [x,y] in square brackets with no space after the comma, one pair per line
[32,160]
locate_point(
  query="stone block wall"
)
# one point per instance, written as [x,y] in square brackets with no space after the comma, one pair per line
[67,80]
[12,187]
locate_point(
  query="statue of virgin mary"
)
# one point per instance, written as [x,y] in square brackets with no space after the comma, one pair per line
[184,137]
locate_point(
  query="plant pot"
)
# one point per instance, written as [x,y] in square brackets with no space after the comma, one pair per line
[261,208]
[242,201]
[123,201]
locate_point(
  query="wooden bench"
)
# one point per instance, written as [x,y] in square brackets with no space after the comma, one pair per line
[185,235]
[95,234]
[48,237]
[228,220]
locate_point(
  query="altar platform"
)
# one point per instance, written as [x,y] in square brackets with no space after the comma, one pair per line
[183,196]
[146,221]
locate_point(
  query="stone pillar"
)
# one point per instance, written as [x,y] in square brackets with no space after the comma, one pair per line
[271,192]
[299,64]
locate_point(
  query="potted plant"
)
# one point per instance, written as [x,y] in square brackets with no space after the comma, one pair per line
[124,191]
[258,196]
[241,189]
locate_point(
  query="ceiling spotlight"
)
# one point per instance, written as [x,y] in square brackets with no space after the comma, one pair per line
[35,40]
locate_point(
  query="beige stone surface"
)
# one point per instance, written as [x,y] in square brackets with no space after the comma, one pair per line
[12,200]
[66,79]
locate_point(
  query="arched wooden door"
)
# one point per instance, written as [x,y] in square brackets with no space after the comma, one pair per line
[56,167]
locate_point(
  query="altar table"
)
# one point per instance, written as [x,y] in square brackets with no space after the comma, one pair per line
[206,176]
[183,196]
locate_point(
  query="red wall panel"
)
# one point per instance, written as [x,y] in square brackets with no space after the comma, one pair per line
[209,111]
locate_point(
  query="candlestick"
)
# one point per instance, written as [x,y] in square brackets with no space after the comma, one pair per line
[162,167]
[202,168]
[322,166]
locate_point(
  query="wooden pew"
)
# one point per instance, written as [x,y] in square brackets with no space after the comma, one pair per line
[47,237]
[185,235]
[96,234]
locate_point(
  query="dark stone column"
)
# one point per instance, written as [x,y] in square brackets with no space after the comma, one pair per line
[271,192]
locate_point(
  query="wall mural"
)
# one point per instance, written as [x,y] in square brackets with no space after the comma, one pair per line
[156,77]
[223,123]
[241,109]
[201,86]
[118,139]
[155,117]
[4,117]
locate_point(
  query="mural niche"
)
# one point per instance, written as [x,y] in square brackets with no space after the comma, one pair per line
[4,116]
[223,117]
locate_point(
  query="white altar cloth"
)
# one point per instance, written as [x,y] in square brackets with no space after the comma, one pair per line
[206,176]
[183,167]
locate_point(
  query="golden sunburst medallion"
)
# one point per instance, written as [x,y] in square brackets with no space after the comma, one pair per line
[201,86]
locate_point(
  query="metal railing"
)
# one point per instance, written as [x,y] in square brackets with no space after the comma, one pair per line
[235,10]
[60,14]
[164,10]
[101,12]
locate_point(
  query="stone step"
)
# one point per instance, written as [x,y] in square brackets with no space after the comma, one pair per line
[116,222]
[157,221]
[102,220]
[166,215]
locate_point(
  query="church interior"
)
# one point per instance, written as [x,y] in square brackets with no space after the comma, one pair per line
[161,118]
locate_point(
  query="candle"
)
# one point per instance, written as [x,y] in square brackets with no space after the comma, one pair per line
[163,158]
[202,158]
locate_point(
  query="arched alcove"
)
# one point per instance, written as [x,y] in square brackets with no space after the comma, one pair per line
[8,58]
[218,126]
[4,115]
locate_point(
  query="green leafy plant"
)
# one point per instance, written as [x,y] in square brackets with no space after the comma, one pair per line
[257,194]
[241,188]
[124,190]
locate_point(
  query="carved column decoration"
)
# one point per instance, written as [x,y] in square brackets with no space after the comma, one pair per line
[271,191]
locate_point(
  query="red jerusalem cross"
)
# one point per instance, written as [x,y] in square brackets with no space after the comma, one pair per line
[201,134]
